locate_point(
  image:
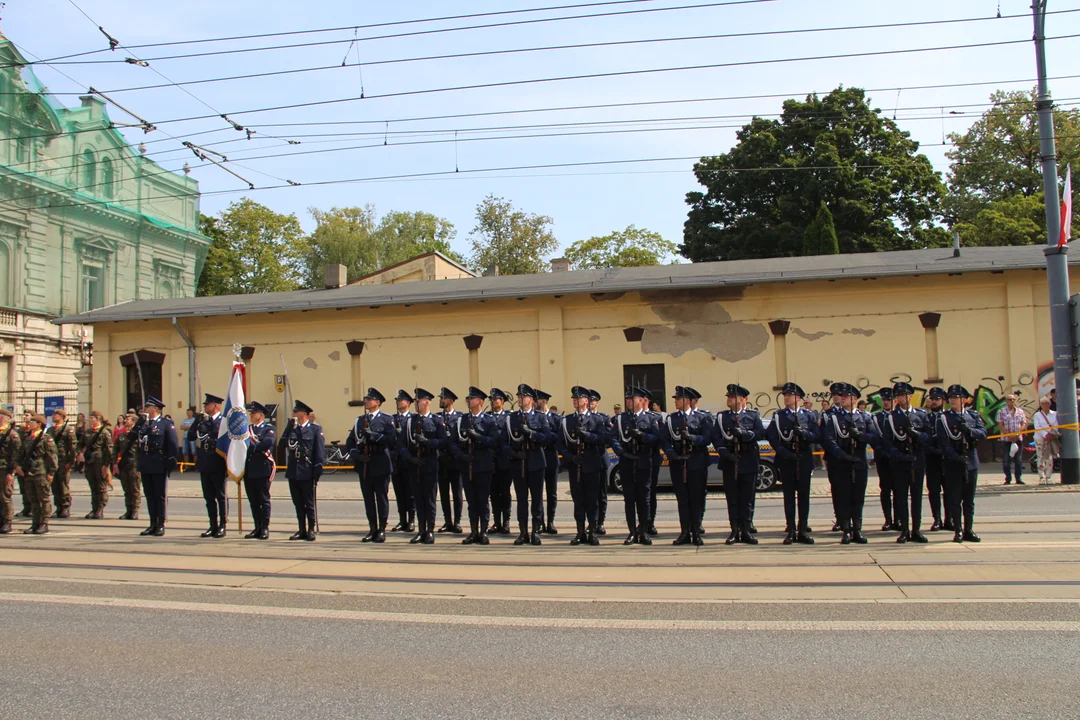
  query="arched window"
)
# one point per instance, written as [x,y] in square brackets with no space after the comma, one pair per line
[165,290]
[108,179]
[5,286]
[87,170]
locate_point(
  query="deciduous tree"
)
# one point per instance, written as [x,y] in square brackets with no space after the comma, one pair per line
[253,250]
[516,241]
[632,247]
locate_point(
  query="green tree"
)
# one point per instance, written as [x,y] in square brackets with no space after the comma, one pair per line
[632,247]
[353,237]
[515,241]
[762,195]
[995,181]
[253,250]
[820,236]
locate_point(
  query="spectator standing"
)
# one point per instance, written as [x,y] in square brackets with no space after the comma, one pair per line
[189,445]
[1012,420]
[1047,445]
[80,427]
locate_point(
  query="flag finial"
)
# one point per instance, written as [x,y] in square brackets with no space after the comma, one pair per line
[236,349]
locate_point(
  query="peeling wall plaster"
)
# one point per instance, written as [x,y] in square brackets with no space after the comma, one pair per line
[703,326]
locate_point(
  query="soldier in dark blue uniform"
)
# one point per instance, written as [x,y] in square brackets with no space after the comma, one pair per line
[474,441]
[502,477]
[306,448]
[685,441]
[654,474]
[907,433]
[371,444]
[528,434]
[403,496]
[635,434]
[792,433]
[845,435]
[420,439]
[551,459]
[935,473]
[602,498]
[883,460]
[449,473]
[836,390]
[211,466]
[958,432]
[582,442]
[707,421]
[259,470]
[736,434]
[158,449]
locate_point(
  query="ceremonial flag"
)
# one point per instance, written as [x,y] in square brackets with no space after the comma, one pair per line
[233,435]
[1066,209]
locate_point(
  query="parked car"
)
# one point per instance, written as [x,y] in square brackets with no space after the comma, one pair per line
[768,477]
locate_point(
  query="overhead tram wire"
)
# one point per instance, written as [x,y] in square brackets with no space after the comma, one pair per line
[456,171]
[588,76]
[549,48]
[115,43]
[720,3]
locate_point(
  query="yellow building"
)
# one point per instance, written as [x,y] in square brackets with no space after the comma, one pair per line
[930,316]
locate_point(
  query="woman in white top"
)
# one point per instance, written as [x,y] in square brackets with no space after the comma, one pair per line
[1046,441]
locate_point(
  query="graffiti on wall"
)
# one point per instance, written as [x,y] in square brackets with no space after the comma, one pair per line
[989,394]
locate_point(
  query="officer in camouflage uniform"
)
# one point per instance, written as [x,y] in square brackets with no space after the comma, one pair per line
[95,451]
[37,466]
[127,458]
[9,455]
[63,436]
[23,429]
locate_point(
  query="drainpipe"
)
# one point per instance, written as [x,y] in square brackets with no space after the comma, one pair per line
[191,362]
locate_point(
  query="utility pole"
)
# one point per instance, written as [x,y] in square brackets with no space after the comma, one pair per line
[1057,264]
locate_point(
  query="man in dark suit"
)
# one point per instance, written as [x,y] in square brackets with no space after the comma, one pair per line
[957,433]
[792,433]
[529,434]
[737,432]
[371,442]
[403,496]
[211,466]
[582,443]
[259,470]
[551,459]
[474,440]
[634,435]
[420,439]
[306,455]
[450,490]
[502,475]
[158,448]
[685,440]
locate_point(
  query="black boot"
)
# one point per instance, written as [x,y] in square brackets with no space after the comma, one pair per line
[472,537]
[380,536]
[789,538]
[803,537]
[733,537]
[580,537]
[153,526]
[254,534]
[220,531]
[936,525]
[695,538]
[847,536]
[857,535]
[522,538]
[549,529]
[970,536]
[917,537]
[643,538]
[683,539]
[747,535]
[210,531]
[264,530]
[160,529]
[651,530]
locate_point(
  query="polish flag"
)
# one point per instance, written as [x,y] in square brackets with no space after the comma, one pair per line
[1066,209]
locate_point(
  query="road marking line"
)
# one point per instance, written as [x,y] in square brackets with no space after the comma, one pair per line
[560,623]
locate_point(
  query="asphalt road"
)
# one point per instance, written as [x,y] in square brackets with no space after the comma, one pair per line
[86,661]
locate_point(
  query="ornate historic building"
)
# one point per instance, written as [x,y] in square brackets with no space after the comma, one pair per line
[85,222]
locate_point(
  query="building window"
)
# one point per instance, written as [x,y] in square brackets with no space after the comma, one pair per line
[108,179]
[143,370]
[93,286]
[5,277]
[22,152]
[87,170]
[649,377]
[165,289]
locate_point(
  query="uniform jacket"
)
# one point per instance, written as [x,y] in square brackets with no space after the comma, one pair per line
[551,450]
[10,447]
[958,435]
[679,448]
[906,435]
[158,447]
[582,442]
[503,460]
[420,440]
[736,435]
[38,455]
[372,442]
[882,451]
[204,433]
[845,436]
[96,446]
[933,449]
[634,437]
[63,436]
[792,434]
[446,454]
[260,455]
[475,450]
[399,424]
[127,449]
[522,446]
[658,445]
[306,447]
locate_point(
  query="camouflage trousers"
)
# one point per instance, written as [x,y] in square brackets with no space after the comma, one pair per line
[61,488]
[40,498]
[25,494]
[129,480]
[7,507]
[99,487]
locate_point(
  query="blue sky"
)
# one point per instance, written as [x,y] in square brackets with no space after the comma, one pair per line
[582,201]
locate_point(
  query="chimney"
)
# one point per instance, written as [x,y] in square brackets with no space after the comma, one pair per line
[492,271]
[336,276]
[560,265]
[955,244]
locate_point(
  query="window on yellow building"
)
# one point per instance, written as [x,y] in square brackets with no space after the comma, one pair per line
[87,170]
[92,286]
[108,179]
